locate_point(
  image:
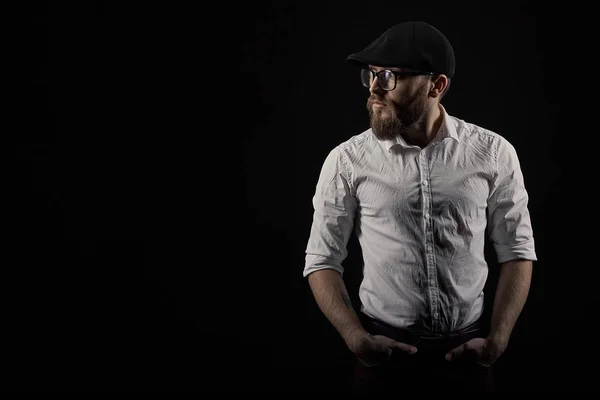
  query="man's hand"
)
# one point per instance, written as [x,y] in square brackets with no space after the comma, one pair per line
[372,350]
[483,351]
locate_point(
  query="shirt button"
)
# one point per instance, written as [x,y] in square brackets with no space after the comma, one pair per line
[424,183]
[435,314]
[432,282]
[426,216]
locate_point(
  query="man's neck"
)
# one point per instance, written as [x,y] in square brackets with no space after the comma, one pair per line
[426,129]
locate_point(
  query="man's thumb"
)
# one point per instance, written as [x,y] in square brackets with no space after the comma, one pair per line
[405,347]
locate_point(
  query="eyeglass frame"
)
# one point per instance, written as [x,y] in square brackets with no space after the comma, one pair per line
[404,74]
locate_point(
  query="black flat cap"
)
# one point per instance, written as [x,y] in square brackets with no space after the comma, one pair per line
[412,44]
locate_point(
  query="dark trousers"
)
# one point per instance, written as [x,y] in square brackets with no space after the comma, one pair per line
[425,371]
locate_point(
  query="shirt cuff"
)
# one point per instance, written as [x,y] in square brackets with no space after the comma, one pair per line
[523,250]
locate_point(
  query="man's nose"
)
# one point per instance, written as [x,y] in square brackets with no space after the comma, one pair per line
[375,88]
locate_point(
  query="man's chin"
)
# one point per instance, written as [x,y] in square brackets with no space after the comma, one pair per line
[384,129]
[380,117]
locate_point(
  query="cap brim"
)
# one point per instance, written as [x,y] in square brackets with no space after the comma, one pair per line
[367,58]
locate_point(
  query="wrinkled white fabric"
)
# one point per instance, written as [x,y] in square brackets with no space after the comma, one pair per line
[421,217]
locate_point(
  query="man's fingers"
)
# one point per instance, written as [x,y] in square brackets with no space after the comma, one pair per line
[393,344]
[372,359]
[407,348]
[455,353]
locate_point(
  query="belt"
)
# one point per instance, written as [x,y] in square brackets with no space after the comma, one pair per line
[424,342]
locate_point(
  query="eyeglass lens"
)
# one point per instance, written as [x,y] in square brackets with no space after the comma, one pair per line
[385,79]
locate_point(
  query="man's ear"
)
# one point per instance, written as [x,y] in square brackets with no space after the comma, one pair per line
[440,84]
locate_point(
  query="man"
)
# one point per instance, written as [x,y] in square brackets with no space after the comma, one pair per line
[420,189]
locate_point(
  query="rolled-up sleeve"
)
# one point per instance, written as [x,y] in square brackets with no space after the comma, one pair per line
[509,223]
[333,219]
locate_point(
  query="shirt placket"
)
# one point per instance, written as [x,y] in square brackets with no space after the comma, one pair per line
[432,287]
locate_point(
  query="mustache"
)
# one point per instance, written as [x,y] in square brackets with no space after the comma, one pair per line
[372,99]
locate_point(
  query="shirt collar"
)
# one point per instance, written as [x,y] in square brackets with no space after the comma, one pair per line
[447,130]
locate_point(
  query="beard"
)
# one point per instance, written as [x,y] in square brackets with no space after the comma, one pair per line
[391,120]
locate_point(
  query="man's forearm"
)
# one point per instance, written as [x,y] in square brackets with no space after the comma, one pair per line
[331,295]
[511,293]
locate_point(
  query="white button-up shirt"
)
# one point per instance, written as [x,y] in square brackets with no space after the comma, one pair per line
[421,216]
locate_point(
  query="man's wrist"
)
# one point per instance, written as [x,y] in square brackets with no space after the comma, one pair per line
[354,336]
[498,339]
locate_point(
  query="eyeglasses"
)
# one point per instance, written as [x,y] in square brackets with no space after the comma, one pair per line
[386,78]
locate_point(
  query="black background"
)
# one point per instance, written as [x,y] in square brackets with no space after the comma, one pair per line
[164,168]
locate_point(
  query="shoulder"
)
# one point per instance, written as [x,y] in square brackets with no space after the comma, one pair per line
[486,144]
[356,147]
[473,134]
[471,131]
[356,142]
